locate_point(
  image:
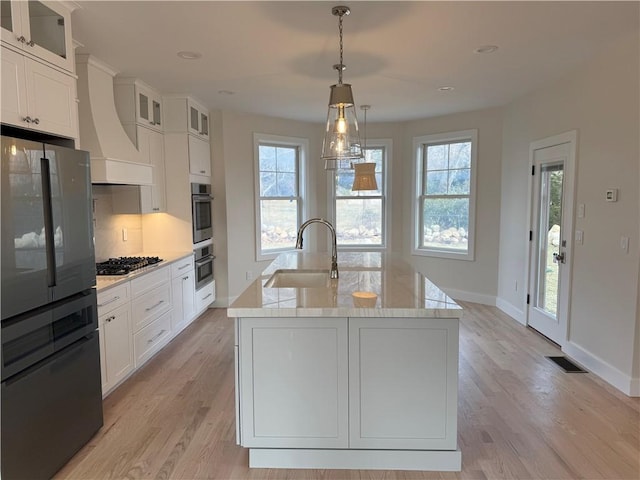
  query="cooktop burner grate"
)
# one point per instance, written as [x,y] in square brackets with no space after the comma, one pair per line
[124,265]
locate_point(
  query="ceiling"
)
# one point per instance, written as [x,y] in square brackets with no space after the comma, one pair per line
[276,58]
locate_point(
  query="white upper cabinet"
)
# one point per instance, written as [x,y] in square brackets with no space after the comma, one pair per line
[37,97]
[185,114]
[198,119]
[39,28]
[137,102]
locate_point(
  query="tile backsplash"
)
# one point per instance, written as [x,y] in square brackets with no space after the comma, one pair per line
[111,229]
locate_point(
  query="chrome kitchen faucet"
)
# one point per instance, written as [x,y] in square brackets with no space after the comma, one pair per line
[334,248]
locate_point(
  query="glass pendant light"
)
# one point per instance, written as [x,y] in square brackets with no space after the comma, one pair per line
[341,140]
[365,172]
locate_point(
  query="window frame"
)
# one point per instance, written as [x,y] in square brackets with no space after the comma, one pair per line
[302,146]
[419,144]
[387,145]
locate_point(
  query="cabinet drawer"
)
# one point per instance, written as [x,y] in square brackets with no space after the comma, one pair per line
[151,338]
[182,267]
[150,305]
[112,298]
[205,296]
[149,281]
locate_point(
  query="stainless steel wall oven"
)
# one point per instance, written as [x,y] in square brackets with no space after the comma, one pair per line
[201,200]
[204,265]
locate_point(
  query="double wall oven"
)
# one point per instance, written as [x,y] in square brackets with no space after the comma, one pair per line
[201,201]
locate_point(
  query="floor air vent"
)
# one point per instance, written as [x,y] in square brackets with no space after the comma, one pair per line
[567,365]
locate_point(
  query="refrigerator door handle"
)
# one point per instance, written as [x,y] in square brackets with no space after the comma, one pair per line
[48,221]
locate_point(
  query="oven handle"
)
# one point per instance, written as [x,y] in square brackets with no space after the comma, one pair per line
[202,197]
[207,259]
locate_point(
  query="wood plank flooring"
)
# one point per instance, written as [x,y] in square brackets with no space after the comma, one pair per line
[520,416]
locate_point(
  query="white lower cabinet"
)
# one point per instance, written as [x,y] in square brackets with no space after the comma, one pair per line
[151,310]
[152,338]
[294,382]
[381,384]
[403,379]
[205,296]
[116,343]
[183,289]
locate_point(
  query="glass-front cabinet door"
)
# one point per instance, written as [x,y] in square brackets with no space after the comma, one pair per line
[198,120]
[41,28]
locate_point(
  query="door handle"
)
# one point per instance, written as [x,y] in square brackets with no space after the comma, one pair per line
[558,257]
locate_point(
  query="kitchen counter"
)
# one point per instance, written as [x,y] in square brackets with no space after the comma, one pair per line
[104,282]
[399,290]
[326,380]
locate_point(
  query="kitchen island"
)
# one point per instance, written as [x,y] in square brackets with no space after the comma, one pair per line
[359,372]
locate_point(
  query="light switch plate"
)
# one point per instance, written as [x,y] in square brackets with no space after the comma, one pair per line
[581,210]
[611,195]
[624,244]
[579,237]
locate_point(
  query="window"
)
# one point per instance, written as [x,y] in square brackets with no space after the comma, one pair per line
[445,200]
[360,217]
[279,192]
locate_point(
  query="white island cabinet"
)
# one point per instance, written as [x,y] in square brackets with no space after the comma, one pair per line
[324,380]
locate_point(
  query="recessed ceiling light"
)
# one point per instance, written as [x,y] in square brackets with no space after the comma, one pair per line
[226,92]
[486,49]
[445,88]
[190,55]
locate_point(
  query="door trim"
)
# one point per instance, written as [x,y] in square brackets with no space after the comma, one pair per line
[570,137]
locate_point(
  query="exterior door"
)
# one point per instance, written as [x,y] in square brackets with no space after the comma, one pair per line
[551,236]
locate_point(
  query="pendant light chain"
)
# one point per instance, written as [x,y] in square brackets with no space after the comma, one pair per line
[340,65]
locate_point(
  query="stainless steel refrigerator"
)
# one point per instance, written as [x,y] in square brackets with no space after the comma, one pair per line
[51,390]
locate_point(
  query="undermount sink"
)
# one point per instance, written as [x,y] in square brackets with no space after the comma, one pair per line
[284,278]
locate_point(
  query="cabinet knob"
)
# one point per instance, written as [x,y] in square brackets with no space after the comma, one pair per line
[27,119]
[36,121]
[202,171]
[21,39]
[110,318]
[30,43]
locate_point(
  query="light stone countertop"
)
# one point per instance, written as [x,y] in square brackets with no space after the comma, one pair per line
[104,282]
[401,291]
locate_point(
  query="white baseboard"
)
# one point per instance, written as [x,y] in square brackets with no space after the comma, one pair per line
[431,460]
[511,310]
[628,385]
[471,296]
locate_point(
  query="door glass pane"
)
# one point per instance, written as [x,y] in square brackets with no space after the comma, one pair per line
[549,222]
[156,113]
[144,106]
[204,121]
[47,28]
[5,15]
[193,119]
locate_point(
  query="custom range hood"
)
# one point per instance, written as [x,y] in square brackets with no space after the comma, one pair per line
[114,159]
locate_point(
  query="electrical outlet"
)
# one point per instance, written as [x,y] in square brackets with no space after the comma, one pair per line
[249,275]
[624,244]
[581,210]
[125,235]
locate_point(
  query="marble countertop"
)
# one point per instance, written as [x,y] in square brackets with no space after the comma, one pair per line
[104,282]
[391,286]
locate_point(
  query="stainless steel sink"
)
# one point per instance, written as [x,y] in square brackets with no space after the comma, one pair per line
[285,278]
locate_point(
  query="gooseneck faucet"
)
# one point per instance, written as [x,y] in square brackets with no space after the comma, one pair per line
[334,247]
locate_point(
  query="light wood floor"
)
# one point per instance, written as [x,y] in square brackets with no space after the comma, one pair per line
[520,416]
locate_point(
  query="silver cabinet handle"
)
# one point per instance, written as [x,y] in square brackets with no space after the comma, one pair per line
[110,301]
[21,39]
[202,171]
[155,337]
[185,278]
[184,266]
[27,119]
[154,306]
[112,317]
[207,296]
[36,121]
[31,43]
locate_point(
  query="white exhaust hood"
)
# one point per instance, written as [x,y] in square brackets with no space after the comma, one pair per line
[114,159]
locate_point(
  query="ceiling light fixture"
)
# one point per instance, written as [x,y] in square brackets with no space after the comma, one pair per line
[365,172]
[486,49]
[341,140]
[190,55]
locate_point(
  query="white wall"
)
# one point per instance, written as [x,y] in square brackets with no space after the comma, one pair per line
[466,280]
[601,101]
